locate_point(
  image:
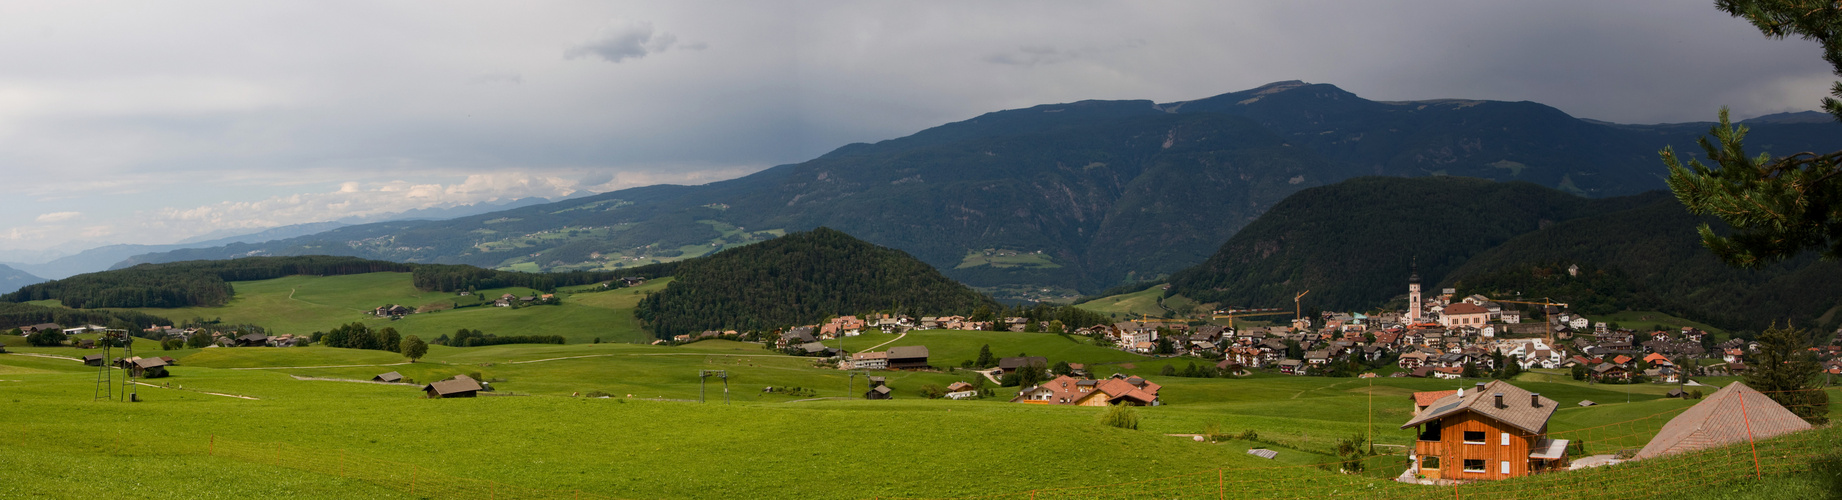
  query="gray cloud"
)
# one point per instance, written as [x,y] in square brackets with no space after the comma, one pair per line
[161,114]
[626,39]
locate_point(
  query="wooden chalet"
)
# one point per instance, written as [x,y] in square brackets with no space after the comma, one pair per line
[93,360]
[908,357]
[461,386]
[252,340]
[1493,431]
[148,367]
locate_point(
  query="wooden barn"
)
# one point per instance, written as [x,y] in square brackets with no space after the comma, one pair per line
[461,386]
[388,377]
[908,357]
[1488,432]
[879,389]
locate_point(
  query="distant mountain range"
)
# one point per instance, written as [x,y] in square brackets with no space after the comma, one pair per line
[11,279]
[1353,245]
[1066,198]
[108,256]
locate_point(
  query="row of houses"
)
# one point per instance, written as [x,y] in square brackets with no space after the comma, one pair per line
[1115,390]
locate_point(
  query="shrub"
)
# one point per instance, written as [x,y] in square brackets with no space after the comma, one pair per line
[46,338]
[1248,435]
[1121,416]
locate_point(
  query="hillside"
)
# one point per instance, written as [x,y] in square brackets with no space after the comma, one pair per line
[1095,193]
[798,279]
[11,279]
[1353,244]
[1654,261]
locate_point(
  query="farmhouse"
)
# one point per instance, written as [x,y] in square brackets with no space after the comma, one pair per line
[1463,314]
[870,360]
[1011,364]
[1734,414]
[461,386]
[908,357]
[1494,431]
[961,390]
[252,340]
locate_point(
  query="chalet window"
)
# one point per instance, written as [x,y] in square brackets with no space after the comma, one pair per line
[1505,466]
[1474,437]
[1429,463]
[1432,432]
[1505,439]
[1474,465]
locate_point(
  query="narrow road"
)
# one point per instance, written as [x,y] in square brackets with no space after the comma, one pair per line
[891,341]
[37,355]
[302,367]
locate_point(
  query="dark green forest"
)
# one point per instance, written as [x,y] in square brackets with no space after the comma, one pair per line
[1664,267]
[1353,244]
[27,314]
[799,279]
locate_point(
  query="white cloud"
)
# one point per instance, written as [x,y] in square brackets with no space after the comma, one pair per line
[59,216]
[628,39]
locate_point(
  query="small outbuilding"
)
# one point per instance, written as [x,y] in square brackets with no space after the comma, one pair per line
[252,340]
[461,386]
[388,377]
[93,360]
[148,368]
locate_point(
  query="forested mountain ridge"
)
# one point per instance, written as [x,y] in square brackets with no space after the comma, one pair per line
[797,279]
[1075,196]
[1659,264]
[1353,245]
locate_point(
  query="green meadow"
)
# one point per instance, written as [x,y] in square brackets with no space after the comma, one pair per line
[306,304]
[651,439]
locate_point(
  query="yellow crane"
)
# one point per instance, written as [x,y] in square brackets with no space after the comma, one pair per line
[1232,314]
[1297,311]
[1145,318]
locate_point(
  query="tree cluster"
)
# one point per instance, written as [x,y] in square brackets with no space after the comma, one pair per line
[476,338]
[358,336]
[798,279]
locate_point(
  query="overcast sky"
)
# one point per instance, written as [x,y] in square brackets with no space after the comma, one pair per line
[150,122]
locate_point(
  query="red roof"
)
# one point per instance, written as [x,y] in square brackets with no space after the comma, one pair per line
[1428,397]
[1465,308]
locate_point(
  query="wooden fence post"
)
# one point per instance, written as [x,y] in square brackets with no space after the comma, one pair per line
[412,479]
[1221,484]
[211,448]
[342,462]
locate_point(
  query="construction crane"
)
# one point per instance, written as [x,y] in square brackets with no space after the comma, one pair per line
[1550,314]
[1232,314]
[1297,311]
[1144,318]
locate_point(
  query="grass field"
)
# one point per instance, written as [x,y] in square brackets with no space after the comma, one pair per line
[1643,320]
[305,304]
[657,445]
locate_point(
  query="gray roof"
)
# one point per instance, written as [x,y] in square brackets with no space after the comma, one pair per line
[1516,411]
[908,352]
[389,377]
[458,384]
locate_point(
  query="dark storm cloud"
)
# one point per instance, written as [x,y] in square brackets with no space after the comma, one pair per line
[144,105]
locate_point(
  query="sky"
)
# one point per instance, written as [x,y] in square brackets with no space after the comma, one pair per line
[153,122]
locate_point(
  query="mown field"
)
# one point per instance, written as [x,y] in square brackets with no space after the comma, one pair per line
[659,443]
[305,304]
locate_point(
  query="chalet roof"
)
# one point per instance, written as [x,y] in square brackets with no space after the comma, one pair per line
[388,377]
[1725,417]
[908,352]
[959,386]
[881,389]
[1427,398]
[870,355]
[458,384]
[1516,411]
